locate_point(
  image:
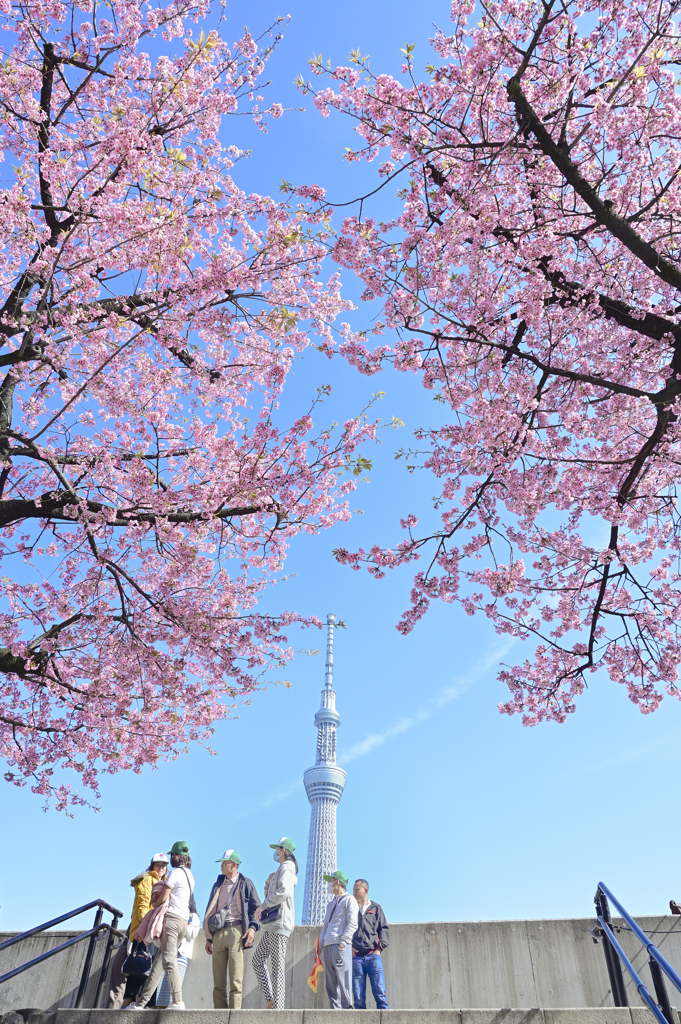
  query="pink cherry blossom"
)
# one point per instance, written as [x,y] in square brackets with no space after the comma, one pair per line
[530,279]
[151,312]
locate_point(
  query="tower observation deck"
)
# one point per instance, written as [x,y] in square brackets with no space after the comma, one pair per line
[324,785]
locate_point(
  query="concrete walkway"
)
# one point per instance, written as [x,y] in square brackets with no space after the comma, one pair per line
[588,1015]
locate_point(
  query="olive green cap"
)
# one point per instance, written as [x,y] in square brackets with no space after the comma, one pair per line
[229,855]
[338,876]
[288,844]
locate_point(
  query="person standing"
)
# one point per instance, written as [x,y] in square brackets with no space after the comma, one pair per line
[179,892]
[368,942]
[185,951]
[335,939]
[276,916]
[122,989]
[230,927]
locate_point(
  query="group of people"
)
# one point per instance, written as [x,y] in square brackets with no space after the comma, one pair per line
[164,918]
[353,936]
[163,910]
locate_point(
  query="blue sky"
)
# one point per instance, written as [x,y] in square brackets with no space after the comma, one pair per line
[451,810]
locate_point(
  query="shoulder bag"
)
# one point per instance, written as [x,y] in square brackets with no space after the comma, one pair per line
[272,914]
[192,901]
[216,921]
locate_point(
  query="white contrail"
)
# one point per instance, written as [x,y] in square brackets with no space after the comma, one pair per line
[441,699]
[445,696]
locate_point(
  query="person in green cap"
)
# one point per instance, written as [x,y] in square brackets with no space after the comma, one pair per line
[335,940]
[277,917]
[229,925]
[179,894]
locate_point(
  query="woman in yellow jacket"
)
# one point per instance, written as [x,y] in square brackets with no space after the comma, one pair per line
[143,884]
[122,990]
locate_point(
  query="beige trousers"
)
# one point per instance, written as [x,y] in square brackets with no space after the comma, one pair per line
[174,930]
[228,955]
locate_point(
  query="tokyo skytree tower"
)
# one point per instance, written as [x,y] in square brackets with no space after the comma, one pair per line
[324,784]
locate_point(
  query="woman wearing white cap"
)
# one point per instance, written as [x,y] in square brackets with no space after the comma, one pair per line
[123,991]
[143,884]
[276,915]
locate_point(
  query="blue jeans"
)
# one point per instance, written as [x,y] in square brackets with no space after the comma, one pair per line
[370,966]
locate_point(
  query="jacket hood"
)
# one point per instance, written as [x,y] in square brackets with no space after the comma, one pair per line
[138,878]
[289,865]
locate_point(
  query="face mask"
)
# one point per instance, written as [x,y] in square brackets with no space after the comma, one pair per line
[329,888]
[274,856]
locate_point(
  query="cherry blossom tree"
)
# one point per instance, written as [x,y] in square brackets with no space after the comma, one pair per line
[531,281]
[150,313]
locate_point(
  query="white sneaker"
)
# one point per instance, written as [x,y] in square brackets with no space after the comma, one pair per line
[176,1006]
[133,1006]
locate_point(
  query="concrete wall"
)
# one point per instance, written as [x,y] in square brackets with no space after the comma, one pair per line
[439,965]
[53,983]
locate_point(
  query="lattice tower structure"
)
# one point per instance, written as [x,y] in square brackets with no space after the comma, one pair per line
[324,785]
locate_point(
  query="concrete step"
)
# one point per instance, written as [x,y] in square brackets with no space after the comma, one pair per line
[578,1015]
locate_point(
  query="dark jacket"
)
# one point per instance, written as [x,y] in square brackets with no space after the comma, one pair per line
[250,901]
[372,932]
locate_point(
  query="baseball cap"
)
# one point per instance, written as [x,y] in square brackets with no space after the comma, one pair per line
[180,847]
[159,858]
[229,855]
[338,875]
[288,844]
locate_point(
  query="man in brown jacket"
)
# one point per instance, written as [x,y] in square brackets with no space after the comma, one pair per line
[230,927]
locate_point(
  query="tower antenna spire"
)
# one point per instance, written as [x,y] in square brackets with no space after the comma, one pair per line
[324,784]
[330,625]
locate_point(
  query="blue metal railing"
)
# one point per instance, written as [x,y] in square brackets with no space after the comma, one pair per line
[93,935]
[657,963]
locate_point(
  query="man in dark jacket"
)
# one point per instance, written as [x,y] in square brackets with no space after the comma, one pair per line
[372,936]
[229,927]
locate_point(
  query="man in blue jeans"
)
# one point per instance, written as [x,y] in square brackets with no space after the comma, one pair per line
[372,936]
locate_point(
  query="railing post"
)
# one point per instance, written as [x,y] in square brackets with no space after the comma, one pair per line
[88,960]
[661,990]
[107,956]
[619,992]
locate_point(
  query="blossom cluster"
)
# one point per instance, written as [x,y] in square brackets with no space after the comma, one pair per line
[150,314]
[531,280]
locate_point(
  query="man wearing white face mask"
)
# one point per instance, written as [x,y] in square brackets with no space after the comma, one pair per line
[335,939]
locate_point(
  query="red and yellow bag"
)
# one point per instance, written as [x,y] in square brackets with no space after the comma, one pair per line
[316,970]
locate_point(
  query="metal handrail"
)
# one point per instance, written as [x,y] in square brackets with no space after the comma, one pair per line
[662,1009]
[93,935]
[642,990]
[58,920]
[640,934]
[57,949]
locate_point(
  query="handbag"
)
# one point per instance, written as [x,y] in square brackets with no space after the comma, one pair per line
[272,914]
[216,921]
[137,963]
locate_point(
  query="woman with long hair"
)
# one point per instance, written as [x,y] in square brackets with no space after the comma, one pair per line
[279,917]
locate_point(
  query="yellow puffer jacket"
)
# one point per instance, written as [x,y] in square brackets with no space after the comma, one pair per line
[142,884]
